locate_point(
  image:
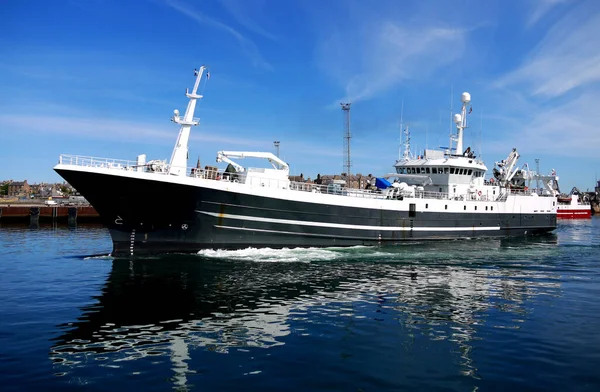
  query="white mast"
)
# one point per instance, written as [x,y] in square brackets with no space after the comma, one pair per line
[178,165]
[461,122]
[406,144]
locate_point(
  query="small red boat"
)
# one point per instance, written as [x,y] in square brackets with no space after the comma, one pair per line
[570,207]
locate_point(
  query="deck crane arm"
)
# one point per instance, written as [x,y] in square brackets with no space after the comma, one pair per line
[508,169]
[272,158]
[223,158]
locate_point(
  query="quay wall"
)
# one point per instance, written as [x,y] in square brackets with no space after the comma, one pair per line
[40,213]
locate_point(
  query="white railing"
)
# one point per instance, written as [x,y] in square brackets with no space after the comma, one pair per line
[78,160]
[211,173]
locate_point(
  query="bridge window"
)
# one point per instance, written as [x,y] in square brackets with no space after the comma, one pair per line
[434,170]
[451,170]
[470,171]
[427,170]
[446,170]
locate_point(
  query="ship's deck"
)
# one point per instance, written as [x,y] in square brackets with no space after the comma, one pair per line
[160,168]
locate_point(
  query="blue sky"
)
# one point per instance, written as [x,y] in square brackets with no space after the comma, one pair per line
[102,77]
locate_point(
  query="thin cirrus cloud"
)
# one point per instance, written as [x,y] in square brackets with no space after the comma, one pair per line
[382,55]
[540,8]
[559,80]
[246,44]
[110,129]
[566,58]
[241,10]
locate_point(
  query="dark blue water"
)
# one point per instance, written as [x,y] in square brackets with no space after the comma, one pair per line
[458,315]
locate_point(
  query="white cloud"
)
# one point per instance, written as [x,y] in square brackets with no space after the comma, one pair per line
[569,130]
[540,8]
[84,127]
[382,54]
[568,56]
[247,45]
[107,129]
[558,85]
[241,11]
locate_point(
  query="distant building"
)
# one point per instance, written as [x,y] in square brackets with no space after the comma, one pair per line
[300,178]
[356,181]
[18,188]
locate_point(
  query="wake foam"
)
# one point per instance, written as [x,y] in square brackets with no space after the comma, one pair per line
[305,255]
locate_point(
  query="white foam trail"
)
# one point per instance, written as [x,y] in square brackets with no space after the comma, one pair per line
[99,257]
[305,255]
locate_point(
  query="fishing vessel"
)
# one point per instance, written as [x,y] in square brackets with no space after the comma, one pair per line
[571,207]
[574,205]
[155,206]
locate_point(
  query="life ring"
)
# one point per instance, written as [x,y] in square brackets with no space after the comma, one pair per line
[479,193]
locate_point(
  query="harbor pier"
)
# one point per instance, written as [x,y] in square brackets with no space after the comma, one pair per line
[34,214]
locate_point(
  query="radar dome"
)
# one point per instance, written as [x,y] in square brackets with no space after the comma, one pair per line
[176,112]
[457,118]
[465,97]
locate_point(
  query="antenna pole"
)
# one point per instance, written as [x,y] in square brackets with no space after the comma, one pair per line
[401,130]
[537,177]
[451,117]
[481,135]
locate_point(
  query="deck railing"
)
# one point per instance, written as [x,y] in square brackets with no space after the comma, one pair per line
[78,160]
[213,173]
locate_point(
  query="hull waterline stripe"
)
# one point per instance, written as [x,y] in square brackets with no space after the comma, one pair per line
[296,233]
[345,226]
[330,236]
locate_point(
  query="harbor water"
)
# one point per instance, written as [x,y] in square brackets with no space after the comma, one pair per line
[466,315]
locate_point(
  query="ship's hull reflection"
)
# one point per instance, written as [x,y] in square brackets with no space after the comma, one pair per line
[169,306]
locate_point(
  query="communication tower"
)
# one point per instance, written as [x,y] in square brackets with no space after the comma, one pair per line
[347,136]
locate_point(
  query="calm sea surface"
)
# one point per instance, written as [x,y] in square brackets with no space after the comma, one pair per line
[458,315]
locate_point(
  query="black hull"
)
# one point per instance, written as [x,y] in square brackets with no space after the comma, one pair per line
[153,217]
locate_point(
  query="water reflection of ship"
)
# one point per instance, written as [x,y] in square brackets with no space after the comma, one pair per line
[159,308]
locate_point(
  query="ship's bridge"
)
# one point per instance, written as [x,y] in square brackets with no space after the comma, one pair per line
[436,169]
